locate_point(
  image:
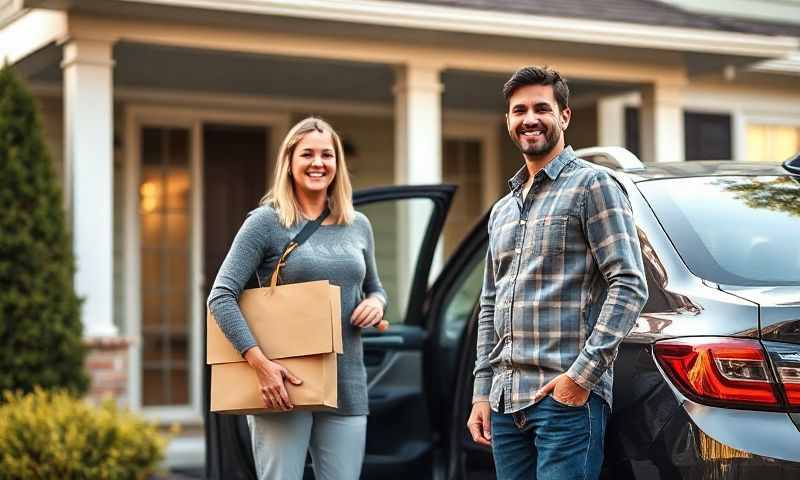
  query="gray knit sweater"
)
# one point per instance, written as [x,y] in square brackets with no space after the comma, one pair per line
[342,254]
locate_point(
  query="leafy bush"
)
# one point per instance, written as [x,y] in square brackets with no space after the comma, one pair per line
[40,325]
[52,435]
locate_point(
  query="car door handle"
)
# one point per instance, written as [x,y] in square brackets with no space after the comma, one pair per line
[384,341]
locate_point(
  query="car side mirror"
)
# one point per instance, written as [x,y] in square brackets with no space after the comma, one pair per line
[792,165]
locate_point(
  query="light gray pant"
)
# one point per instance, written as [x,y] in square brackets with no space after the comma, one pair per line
[281,440]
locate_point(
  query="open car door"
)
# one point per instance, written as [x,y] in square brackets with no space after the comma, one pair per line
[407,222]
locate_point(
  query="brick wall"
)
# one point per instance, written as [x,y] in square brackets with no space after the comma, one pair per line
[107,365]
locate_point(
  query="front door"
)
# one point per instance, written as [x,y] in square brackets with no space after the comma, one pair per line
[235,178]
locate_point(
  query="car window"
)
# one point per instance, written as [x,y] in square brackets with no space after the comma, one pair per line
[732,230]
[399,227]
[456,310]
[462,299]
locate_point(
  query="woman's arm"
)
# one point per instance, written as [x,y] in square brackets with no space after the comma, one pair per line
[370,311]
[372,282]
[244,256]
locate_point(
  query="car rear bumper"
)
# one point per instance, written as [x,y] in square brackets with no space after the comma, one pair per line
[682,450]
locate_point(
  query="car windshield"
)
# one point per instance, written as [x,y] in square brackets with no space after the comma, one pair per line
[732,230]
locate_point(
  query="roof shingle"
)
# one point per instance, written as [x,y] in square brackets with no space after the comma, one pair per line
[645,12]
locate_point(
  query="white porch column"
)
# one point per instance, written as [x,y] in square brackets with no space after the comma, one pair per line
[661,123]
[418,125]
[611,121]
[418,158]
[89,176]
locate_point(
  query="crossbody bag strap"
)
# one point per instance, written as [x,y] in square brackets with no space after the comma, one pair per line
[295,242]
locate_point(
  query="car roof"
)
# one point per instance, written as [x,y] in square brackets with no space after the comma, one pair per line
[623,160]
[655,171]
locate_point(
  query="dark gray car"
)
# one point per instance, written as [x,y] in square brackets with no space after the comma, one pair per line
[707,385]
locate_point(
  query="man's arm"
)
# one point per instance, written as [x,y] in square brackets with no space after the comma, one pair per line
[614,243]
[479,422]
[487,338]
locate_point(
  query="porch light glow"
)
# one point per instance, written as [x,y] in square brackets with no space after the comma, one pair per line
[150,194]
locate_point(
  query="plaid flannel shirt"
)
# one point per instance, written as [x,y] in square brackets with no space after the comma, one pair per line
[564,283]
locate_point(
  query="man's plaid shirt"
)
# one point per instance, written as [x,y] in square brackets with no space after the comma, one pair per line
[564,283]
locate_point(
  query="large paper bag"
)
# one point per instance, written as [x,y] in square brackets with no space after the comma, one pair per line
[297,325]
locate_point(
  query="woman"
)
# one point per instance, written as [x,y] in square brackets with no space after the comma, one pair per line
[310,175]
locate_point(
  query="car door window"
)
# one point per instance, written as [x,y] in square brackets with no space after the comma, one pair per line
[461,301]
[458,306]
[399,227]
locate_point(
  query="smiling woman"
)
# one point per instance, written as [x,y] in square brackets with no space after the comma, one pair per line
[314,164]
[311,181]
[307,164]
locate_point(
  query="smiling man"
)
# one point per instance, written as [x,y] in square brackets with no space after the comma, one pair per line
[564,283]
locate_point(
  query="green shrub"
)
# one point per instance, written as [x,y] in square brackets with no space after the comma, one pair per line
[40,325]
[52,435]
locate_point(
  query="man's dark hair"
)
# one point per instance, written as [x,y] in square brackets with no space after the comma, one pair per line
[539,76]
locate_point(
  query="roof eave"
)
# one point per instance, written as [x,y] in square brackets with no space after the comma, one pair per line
[466,20]
[10,11]
[784,66]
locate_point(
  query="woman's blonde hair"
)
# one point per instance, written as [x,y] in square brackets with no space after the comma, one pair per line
[282,197]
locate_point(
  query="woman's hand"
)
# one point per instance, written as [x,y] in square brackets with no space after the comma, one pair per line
[368,313]
[271,377]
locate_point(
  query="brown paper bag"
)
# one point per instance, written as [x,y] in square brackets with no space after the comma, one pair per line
[297,325]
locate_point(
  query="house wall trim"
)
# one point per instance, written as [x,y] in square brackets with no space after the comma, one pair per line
[486,130]
[221,102]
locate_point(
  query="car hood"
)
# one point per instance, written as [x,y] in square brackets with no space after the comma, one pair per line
[779,310]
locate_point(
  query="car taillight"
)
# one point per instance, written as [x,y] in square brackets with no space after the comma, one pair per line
[720,371]
[786,362]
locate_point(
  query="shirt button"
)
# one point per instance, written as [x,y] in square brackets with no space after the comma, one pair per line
[518,250]
[522,222]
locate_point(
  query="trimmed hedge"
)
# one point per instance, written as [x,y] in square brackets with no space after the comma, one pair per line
[53,435]
[40,325]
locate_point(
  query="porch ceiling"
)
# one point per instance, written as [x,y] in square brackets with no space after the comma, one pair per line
[176,69]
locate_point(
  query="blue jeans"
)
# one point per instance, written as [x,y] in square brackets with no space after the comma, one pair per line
[550,441]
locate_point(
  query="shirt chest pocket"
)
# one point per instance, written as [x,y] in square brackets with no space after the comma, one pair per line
[550,235]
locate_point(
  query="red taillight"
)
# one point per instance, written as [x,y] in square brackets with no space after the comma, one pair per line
[730,371]
[786,361]
[791,383]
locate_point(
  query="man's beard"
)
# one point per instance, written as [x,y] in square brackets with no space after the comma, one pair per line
[551,138]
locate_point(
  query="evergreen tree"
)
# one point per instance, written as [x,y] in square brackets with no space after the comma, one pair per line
[40,325]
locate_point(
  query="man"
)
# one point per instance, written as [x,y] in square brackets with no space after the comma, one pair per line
[564,284]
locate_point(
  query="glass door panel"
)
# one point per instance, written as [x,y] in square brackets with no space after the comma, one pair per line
[165,220]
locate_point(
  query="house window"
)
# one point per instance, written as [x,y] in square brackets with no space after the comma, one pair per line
[707,136]
[632,137]
[164,217]
[461,165]
[772,143]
